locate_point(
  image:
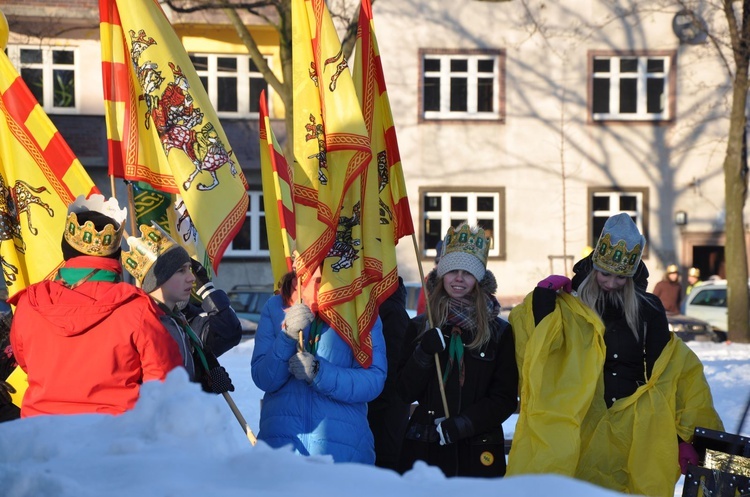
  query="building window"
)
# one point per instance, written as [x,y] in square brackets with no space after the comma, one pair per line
[442,208]
[50,74]
[461,85]
[233,83]
[632,87]
[252,239]
[608,202]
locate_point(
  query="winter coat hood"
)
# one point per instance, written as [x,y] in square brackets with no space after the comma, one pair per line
[488,284]
[71,312]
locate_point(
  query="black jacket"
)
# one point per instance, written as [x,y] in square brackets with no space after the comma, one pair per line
[488,397]
[388,413]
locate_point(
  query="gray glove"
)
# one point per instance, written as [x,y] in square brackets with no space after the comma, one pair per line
[303,366]
[298,317]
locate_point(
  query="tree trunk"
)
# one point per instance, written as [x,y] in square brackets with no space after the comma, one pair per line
[735,186]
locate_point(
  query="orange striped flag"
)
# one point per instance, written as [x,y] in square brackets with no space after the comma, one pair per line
[332,149]
[161,126]
[39,177]
[386,216]
[277,198]
[369,82]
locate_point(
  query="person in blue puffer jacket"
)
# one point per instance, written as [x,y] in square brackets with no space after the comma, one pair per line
[315,399]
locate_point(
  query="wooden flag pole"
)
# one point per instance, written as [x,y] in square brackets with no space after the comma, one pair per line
[438,369]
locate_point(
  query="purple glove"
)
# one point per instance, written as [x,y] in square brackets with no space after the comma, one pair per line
[556,282]
[687,455]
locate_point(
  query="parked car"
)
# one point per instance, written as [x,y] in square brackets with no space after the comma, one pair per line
[248,301]
[708,301]
[689,328]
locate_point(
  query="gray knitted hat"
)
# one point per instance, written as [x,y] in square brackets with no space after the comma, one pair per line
[464,248]
[165,267]
[620,246]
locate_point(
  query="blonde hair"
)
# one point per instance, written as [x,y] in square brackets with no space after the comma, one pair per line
[626,298]
[439,299]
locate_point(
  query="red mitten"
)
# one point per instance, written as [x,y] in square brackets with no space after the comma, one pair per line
[687,455]
[556,282]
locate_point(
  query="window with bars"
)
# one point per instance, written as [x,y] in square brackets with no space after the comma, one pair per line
[444,208]
[606,203]
[631,87]
[233,83]
[252,239]
[50,74]
[461,85]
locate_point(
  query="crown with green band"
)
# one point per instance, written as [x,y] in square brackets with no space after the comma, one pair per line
[466,241]
[145,250]
[617,259]
[85,238]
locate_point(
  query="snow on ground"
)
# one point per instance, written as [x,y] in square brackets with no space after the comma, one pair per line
[180,442]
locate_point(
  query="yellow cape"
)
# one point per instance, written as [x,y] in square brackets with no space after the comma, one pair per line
[564,425]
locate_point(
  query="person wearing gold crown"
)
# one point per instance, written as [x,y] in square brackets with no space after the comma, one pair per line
[608,394]
[86,340]
[164,270]
[476,354]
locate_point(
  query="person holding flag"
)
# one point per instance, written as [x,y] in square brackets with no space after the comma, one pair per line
[86,340]
[477,355]
[164,270]
[316,392]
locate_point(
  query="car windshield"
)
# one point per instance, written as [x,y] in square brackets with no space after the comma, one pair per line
[711,297]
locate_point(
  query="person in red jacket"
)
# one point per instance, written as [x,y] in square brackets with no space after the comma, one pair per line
[86,340]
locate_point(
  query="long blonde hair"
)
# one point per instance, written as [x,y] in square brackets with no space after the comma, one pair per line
[439,299]
[626,298]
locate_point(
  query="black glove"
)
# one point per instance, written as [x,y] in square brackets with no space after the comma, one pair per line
[453,429]
[218,381]
[203,283]
[432,341]
[5,390]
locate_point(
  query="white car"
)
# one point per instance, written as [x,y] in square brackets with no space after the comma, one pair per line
[708,301]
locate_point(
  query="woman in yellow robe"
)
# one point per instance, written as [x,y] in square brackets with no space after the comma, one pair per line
[608,394]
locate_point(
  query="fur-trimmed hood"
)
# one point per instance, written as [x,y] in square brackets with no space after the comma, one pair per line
[488,284]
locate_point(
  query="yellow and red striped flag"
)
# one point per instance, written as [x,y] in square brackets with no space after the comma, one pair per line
[39,177]
[277,198]
[388,217]
[332,149]
[161,126]
[369,82]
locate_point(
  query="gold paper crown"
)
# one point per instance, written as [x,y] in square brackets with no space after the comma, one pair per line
[85,238]
[145,250]
[466,241]
[617,259]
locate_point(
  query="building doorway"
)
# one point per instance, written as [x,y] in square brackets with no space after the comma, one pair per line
[710,260]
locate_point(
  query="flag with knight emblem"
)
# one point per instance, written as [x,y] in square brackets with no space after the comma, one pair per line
[39,177]
[331,149]
[277,198]
[161,126]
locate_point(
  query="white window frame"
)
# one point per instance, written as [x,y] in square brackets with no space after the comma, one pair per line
[641,76]
[255,212]
[48,68]
[243,75]
[614,207]
[471,215]
[472,74]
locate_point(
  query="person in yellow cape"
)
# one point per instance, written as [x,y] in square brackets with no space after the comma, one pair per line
[608,394]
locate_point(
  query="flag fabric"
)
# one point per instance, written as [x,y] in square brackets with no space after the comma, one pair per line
[39,177]
[169,212]
[331,149]
[390,213]
[277,198]
[161,126]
